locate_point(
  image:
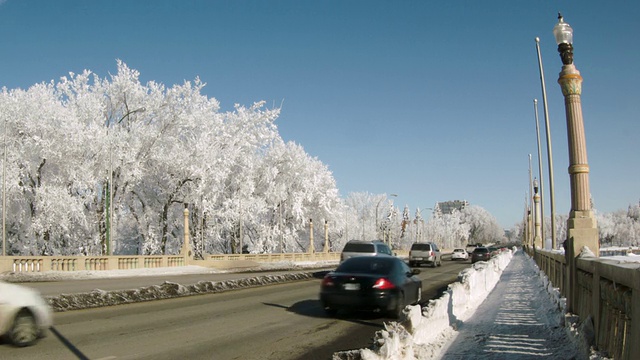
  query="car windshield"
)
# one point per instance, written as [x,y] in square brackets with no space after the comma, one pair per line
[458,250]
[366,265]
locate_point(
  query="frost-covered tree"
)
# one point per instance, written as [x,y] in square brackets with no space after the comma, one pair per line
[447,230]
[483,227]
[364,211]
[405,232]
[84,145]
[619,228]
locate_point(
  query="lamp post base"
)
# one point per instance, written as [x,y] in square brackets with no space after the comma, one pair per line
[582,228]
[582,232]
[537,242]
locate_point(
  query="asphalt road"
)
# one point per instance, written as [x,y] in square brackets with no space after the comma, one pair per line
[282,321]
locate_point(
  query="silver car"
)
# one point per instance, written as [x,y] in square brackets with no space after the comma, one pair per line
[365,248]
[24,314]
[424,253]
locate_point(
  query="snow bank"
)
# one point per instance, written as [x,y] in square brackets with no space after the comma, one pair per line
[98,298]
[424,331]
[580,332]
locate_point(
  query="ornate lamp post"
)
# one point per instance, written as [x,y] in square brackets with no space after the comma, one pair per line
[581,225]
[537,216]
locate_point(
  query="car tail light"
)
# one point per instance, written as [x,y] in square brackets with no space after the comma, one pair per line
[432,253]
[327,281]
[383,284]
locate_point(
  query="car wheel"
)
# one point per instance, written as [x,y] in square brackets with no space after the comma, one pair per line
[434,263]
[396,312]
[24,331]
[440,262]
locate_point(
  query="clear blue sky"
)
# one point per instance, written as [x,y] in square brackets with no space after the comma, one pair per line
[430,100]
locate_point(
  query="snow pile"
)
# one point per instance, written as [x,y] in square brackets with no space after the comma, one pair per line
[98,298]
[425,331]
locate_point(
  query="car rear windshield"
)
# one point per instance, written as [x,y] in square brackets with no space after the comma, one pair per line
[481,250]
[422,247]
[366,265]
[357,247]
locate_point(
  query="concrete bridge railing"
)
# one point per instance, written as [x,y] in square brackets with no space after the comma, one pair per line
[608,294]
[24,264]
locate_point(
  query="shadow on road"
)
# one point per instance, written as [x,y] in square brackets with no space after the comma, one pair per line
[68,344]
[312,308]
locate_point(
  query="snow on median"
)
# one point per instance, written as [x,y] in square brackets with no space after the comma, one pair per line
[424,331]
[167,290]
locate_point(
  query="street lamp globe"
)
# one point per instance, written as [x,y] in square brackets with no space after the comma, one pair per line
[564,38]
[563,31]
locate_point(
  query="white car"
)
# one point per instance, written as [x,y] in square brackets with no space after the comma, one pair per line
[24,314]
[460,254]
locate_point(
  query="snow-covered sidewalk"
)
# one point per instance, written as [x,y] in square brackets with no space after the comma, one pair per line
[518,320]
[501,309]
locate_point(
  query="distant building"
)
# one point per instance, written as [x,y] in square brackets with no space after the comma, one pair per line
[447,207]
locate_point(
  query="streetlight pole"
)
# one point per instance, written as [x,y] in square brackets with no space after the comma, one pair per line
[541,182]
[4,193]
[241,225]
[581,226]
[529,203]
[281,229]
[549,152]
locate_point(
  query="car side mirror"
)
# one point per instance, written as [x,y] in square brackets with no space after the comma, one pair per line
[415,271]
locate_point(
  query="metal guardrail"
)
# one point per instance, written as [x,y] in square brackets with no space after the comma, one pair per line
[608,293]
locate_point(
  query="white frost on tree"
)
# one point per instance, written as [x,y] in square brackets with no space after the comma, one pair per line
[74,144]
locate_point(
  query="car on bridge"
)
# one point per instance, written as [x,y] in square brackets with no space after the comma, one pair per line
[480,254]
[459,254]
[24,315]
[424,253]
[355,248]
[374,283]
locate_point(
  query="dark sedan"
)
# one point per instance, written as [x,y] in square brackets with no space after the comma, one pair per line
[371,283]
[480,254]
